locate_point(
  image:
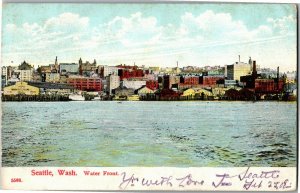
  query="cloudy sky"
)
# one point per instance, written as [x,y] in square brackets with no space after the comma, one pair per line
[150,34]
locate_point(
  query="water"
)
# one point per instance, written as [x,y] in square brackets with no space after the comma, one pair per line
[181,134]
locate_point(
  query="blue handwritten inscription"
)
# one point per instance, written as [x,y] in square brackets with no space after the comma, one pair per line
[188,180]
[253,181]
[245,180]
[166,181]
[222,180]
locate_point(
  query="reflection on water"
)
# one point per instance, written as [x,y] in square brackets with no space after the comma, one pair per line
[149,134]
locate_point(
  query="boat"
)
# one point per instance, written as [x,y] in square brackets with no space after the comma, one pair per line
[97,98]
[76,97]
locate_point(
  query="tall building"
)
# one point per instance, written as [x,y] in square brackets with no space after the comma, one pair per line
[113,82]
[105,71]
[4,77]
[235,71]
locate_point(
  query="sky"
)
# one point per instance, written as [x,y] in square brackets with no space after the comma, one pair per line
[194,34]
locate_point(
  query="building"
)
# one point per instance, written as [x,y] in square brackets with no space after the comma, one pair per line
[235,71]
[52,88]
[232,94]
[143,91]
[85,83]
[52,68]
[68,68]
[230,83]
[55,66]
[152,84]
[167,94]
[24,72]
[13,80]
[24,75]
[85,69]
[291,77]
[63,78]
[4,75]
[150,77]
[189,80]
[203,94]
[192,70]
[133,84]
[36,77]
[216,71]
[21,88]
[166,70]
[123,93]
[112,82]
[7,75]
[44,69]
[173,80]
[126,72]
[268,86]
[188,94]
[154,70]
[169,81]
[7,72]
[52,77]
[25,66]
[210,81]
[267,73]
[219,92]
[248,81]
[166,82]
[105,71]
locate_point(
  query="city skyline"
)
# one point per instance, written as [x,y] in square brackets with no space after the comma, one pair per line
[151,34]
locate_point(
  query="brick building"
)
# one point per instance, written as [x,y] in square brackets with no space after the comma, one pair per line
[268,86]
[190,80]
[210,80]
[152,84]
[168,94]
[85,83]
[126,72]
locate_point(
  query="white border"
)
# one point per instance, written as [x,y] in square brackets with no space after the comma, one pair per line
[137,1]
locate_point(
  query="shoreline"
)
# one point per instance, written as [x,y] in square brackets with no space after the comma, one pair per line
[65,98]
[291,101]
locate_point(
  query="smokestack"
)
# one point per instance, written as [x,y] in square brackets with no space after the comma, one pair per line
[254,72]
[239,58]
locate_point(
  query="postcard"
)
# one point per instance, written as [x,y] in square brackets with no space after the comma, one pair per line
[149,96]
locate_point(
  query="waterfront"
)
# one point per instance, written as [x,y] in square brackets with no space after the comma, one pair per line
[181,134]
